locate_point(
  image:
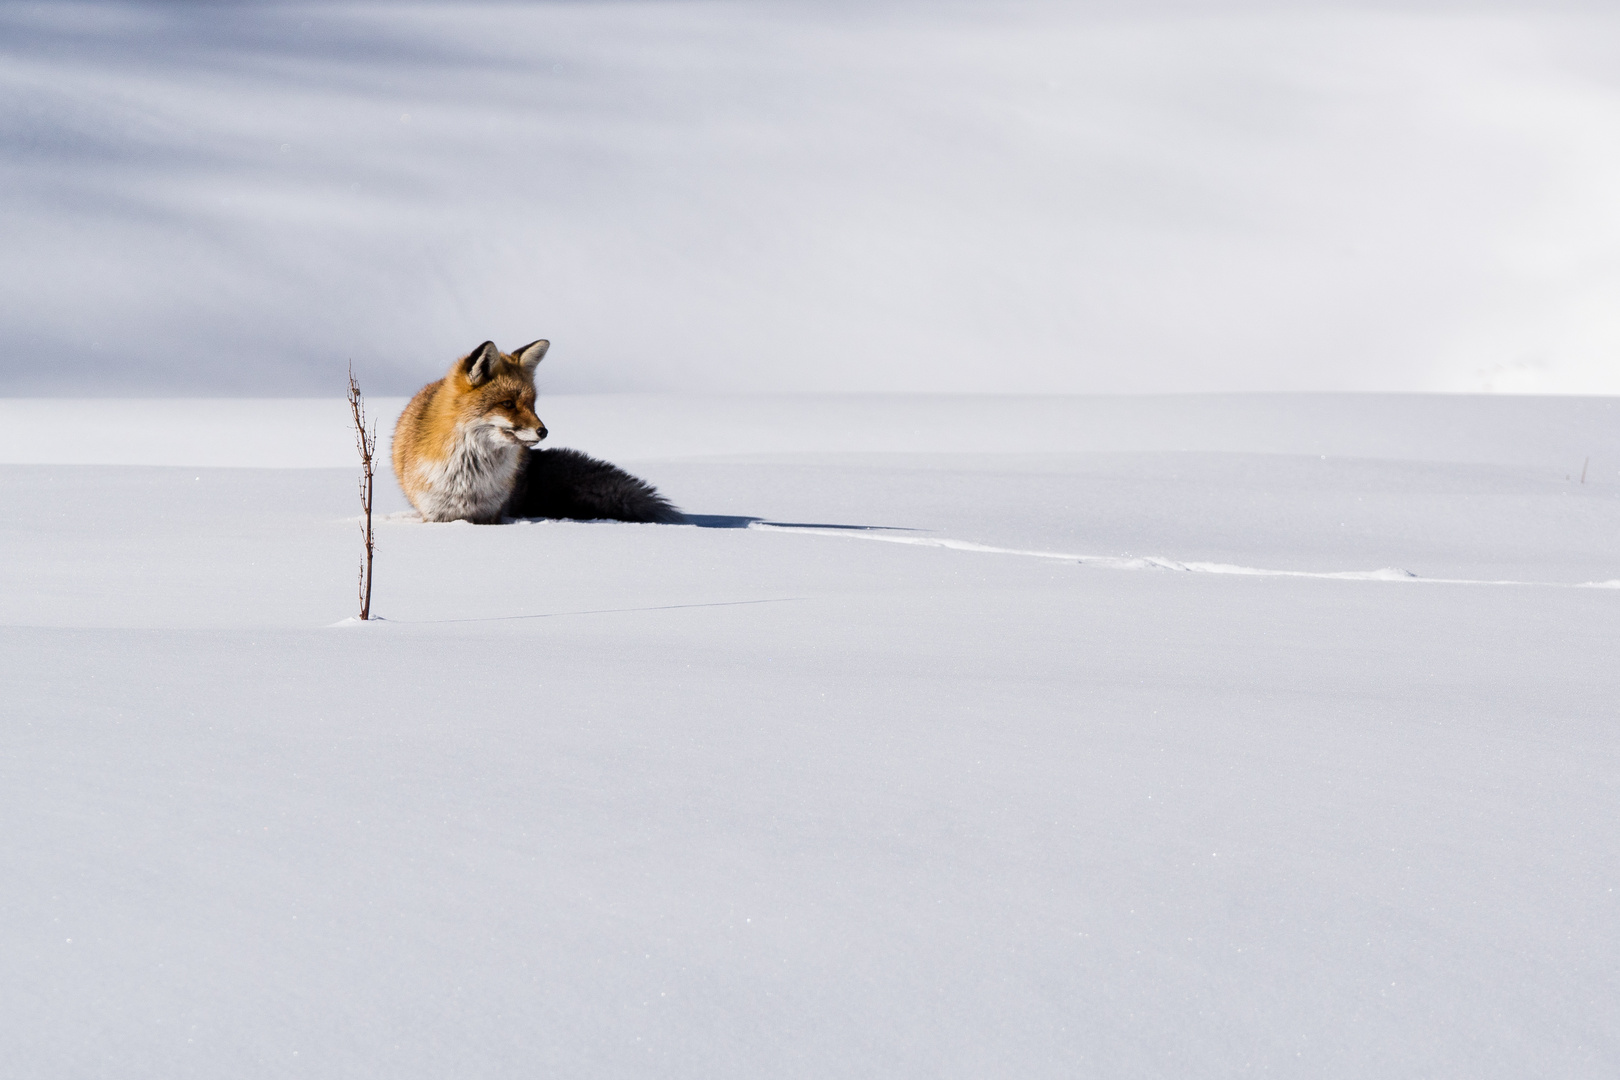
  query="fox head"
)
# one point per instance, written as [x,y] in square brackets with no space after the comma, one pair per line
[496,390]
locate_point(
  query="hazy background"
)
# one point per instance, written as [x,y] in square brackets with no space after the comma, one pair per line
[1035,197]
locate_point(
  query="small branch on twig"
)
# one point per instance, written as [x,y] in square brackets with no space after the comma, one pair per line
[366,442]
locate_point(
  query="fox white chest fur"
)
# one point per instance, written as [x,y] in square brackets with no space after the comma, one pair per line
[475,481]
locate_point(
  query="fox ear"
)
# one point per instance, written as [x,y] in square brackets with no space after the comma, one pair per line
[531,354]
[480,363]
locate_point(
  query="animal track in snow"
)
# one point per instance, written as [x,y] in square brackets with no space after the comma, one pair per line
[1153,562]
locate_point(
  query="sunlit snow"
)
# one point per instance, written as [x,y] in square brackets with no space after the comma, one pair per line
[763,796]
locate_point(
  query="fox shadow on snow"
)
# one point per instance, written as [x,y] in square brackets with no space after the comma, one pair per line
[731,521]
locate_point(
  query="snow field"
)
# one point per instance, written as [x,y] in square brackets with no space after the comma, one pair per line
[612,800]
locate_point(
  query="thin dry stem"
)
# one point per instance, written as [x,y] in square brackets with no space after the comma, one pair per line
[366,442]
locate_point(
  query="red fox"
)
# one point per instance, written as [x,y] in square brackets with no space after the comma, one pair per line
[464,449]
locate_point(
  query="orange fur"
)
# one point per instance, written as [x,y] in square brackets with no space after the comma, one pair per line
[461,439]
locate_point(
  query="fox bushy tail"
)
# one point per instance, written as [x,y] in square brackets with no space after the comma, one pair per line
[568,484]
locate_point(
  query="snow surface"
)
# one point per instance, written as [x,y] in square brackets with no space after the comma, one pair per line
[1005,195]
[775,795]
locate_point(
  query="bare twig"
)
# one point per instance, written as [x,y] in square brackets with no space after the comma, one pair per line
[366,442]
[1584,464]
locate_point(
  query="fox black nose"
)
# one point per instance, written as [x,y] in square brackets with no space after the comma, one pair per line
[540,433]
